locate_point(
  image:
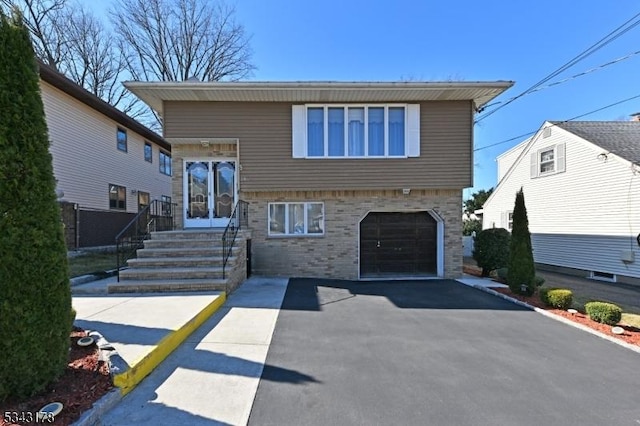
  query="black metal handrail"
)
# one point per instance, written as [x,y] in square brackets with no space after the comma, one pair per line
[239,218]
[157,216]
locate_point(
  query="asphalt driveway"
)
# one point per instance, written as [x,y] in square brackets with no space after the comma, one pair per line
[439,353]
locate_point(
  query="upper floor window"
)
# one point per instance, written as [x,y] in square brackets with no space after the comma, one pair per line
[117,197]
[348,131]
[296,219]
[122,139]
[165,163]
[548,160]
[510,221]
[148,152]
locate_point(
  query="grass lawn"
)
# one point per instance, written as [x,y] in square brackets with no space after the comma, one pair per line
[631,319]
[91,262]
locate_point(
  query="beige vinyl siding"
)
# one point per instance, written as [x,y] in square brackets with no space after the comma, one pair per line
[584,216]
[264,134]
[86,159]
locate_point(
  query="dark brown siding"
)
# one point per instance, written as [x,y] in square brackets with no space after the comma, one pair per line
[264,132]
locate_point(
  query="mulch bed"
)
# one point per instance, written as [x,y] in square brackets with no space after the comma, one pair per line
[631,335]
[85,380]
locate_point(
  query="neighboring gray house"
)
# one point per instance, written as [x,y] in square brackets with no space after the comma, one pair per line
[343,180]
[107,165]
[581,183]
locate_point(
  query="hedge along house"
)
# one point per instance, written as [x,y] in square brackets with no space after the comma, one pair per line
[343,180]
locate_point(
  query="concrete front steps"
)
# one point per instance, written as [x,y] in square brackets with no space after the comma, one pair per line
[187,260]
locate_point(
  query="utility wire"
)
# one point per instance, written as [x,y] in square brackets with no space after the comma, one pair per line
[613,35]
[589,71]
[560,122]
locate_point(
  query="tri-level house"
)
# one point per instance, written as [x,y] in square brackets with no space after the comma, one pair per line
[343,180]
[107,165]
[581,186]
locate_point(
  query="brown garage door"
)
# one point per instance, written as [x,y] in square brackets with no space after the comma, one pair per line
[398,243]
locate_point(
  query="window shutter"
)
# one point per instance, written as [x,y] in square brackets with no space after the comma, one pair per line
[560,155]
[534,165]
[503,220]
[413,133]
[298,131]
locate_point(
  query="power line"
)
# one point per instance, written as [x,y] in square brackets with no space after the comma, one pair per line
[573,77]
[613,35]
[560,122]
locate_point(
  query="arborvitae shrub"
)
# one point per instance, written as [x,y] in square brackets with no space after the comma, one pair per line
[35,297]
[521,276]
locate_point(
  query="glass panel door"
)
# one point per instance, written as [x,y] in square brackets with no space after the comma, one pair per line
[224,178]
[209,193]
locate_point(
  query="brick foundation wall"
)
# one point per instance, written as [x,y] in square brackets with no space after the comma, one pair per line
[335,255]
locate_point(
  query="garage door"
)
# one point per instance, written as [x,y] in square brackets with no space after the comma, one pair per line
[398,243]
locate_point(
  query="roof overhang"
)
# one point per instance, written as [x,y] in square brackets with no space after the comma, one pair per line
[155,93]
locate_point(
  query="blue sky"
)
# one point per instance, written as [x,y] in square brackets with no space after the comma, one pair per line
[464,40]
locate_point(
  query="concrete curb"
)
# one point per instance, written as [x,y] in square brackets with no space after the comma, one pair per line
[108,354]
[130,377]
[556,317]
[83,279]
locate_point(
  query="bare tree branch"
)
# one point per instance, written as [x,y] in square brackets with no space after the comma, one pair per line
[174,40]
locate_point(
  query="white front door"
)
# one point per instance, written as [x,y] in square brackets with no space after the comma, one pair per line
[209,192]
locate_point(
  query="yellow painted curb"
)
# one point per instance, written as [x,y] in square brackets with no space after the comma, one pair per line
[129,379]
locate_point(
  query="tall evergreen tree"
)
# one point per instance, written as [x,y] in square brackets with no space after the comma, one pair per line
[35,296]
[520,277]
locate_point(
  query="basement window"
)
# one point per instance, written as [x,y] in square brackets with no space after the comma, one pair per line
[603,276]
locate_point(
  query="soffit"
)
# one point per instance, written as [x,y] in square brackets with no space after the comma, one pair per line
[154,94]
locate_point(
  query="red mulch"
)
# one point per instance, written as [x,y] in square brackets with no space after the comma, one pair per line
[84,381]
[631,335]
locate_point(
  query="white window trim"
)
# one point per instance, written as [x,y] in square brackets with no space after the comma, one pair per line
[305,234]
[411,130]
[559,160]
[554,160]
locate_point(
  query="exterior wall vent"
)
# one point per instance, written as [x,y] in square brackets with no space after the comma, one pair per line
[546,132]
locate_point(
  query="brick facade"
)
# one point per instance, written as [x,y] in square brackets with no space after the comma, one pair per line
[335,255]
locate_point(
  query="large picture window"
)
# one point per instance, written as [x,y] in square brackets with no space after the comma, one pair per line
[356,131]
[305,218]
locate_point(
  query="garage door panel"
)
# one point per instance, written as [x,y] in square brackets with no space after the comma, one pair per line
[398,243]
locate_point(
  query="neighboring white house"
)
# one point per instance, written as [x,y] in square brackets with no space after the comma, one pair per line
[107,165]
[581,182]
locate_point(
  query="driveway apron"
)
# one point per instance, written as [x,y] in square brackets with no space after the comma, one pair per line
[435,352]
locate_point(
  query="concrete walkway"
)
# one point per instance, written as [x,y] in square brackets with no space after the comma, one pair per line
[213,376]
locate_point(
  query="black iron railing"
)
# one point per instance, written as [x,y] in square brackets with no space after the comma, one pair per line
[239,218]
[157,216]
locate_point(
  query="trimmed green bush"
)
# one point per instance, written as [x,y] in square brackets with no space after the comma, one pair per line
[521,277]
[559,298]
[606,313]
[502,273]
[538,281]
[491,249]
[35,296]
